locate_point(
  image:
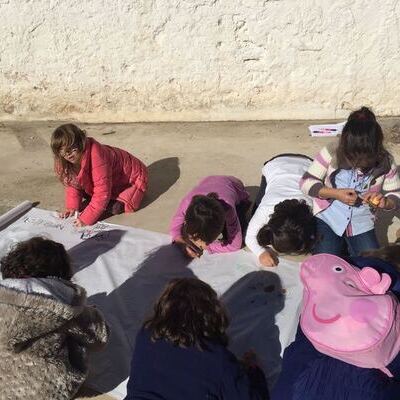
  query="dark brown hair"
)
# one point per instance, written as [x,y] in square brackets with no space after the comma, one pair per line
[189,313]
[290,229]
[389,253]
[36,258]
[361,142]
[66,136]
[204,218]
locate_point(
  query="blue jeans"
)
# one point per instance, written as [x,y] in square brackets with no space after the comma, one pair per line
[329,242]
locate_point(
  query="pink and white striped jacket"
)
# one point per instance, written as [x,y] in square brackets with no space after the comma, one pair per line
[324,168]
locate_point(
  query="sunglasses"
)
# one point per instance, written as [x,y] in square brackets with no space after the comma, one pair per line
[68,152]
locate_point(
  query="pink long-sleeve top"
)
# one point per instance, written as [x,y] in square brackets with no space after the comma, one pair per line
[231,191]
[106,173]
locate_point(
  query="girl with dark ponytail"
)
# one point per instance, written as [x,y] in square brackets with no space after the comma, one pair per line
[207,212]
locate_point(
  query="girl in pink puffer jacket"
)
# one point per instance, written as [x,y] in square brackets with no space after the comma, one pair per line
[110,179]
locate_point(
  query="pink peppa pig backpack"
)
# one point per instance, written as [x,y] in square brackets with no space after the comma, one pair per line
[348,314]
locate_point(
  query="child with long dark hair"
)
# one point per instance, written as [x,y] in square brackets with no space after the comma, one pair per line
[181,351]
[216,206]
[46,326]
[348,181]
[109,179]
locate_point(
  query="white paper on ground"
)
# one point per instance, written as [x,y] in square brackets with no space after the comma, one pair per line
[124,269]
[326,129]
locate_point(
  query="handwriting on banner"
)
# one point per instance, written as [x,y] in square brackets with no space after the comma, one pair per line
[41,222]
[97,232]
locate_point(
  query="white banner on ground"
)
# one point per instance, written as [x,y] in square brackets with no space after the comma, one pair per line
[124,269]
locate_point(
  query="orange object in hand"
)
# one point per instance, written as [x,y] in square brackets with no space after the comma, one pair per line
[374,202]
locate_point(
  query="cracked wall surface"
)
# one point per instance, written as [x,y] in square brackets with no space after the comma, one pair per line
[149,60]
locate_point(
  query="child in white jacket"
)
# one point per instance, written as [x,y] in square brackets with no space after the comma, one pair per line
[282,220]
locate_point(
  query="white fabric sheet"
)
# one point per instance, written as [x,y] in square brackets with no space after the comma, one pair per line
[124,270]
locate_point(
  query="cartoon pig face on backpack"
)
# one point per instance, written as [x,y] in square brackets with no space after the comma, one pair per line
[347,313]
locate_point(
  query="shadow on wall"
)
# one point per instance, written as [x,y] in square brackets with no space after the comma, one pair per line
[252,303]
[162,175]
[126,308]
[87,252]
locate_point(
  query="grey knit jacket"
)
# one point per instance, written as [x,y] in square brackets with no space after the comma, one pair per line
[44,343]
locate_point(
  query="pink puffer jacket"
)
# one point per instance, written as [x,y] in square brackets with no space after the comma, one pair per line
[106,173]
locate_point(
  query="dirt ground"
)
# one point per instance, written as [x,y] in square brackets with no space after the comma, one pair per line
[178,155]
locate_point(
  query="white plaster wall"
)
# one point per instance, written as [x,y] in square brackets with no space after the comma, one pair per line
[131,60]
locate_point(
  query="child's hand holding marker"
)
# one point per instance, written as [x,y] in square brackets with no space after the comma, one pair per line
[269,258]
[68,212]
[77,222]
[190,248]
[193,250]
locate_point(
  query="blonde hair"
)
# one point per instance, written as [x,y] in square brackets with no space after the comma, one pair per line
[66,136]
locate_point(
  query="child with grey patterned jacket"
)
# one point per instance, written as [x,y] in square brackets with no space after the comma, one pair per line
[46,327]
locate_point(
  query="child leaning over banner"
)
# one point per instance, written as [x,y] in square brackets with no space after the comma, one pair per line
[46,327]
[99,180]
[283,221]
[216,206]
[181,353]
[348,181]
